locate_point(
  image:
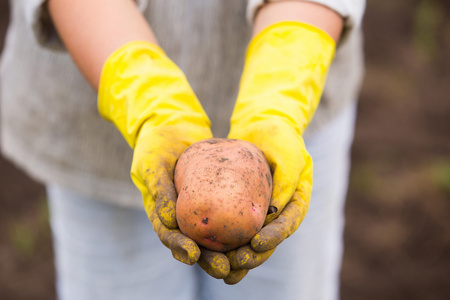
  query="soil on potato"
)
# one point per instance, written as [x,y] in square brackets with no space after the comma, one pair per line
[397,234]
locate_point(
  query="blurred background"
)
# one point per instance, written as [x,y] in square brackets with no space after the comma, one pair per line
[397,234]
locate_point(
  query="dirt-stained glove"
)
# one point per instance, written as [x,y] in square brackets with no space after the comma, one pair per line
[150,101]
[281,85]
[242,260]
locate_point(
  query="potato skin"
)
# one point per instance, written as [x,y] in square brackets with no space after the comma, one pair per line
[224,189]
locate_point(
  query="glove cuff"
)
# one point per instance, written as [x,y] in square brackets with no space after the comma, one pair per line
[284,75]
[140,84]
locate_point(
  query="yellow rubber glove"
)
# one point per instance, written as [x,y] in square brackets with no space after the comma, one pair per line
[281,85]
[150,101]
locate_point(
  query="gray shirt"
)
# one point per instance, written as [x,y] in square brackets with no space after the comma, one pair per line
[50,124]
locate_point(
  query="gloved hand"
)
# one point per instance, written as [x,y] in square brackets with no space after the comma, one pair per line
[150,101]
[281,85]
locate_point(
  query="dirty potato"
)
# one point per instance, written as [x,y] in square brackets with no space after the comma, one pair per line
[224,188]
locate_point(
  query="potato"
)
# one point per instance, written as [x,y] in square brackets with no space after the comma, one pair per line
[224,189]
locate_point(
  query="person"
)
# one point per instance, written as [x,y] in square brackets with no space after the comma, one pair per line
[69,65]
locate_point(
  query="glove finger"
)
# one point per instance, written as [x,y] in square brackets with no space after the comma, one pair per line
[271,235]
[235,276]
[231,255]
[216,264]
[247,258]
[183,248]
[236,273]
[166,200]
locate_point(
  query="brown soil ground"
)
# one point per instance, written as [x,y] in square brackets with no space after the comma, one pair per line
[397,235]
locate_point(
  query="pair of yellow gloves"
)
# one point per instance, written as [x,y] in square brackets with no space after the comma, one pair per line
[151,103]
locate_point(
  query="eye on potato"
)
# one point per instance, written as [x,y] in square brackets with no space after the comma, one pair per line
[224,189]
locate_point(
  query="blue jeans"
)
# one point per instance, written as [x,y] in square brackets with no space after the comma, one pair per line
[103,251]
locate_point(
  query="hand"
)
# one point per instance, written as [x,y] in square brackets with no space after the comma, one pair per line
[282,82]
[292,170]
[151,103]
[155,155]
[292,185]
